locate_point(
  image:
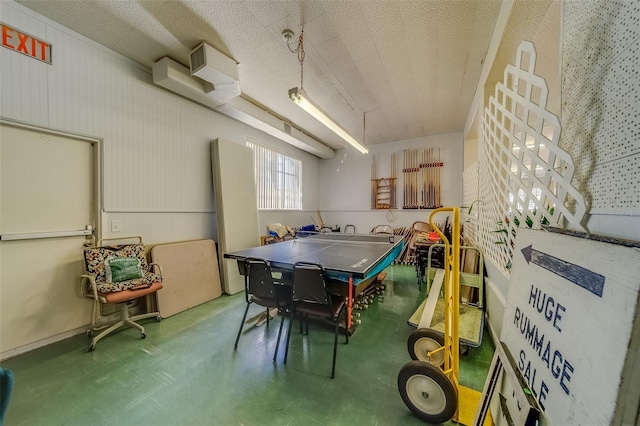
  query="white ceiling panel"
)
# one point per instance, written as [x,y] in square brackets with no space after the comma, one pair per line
[411,66]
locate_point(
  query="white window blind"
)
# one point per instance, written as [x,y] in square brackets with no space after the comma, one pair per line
[278,179]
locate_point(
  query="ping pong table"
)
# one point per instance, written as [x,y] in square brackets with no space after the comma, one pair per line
[350,258]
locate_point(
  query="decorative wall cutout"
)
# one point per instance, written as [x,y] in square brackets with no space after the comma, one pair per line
[481,216]
[529,176]
[471,199]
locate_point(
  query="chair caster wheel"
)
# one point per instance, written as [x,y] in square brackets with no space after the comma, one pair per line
[158,318]
[143,335]
[90,333]
[92,347]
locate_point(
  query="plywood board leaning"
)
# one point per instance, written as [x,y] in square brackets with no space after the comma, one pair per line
[190,275]
[236,207]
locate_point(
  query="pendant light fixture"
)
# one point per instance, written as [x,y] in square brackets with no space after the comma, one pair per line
[300,97]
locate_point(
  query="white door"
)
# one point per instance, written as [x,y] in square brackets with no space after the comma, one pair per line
[48,195]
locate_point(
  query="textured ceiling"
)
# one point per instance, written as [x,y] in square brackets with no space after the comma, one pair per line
[399,69]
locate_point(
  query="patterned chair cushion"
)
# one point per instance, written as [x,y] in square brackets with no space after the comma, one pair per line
[144,282]
[95,263]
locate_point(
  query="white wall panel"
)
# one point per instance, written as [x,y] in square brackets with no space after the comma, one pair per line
[161,227]
[601,103]
[156,144]
[345,181]
[26,94]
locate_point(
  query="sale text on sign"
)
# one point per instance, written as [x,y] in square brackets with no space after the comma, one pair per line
[545,307]
[20,42]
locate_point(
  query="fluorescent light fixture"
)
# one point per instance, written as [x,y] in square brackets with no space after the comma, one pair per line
[299,97]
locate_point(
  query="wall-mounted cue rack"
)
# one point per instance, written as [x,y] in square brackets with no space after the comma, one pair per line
[383,190]
[421,172]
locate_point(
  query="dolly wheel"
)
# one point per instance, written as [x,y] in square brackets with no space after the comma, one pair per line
[427,392]
[425,340]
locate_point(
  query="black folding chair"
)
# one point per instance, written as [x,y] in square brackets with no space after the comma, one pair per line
[261,289]
[312,298]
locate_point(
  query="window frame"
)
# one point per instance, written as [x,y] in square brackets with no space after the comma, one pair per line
[281,186]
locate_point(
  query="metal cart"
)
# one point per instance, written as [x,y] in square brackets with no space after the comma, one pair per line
[429,385]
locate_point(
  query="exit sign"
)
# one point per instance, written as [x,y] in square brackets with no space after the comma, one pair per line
[20,42]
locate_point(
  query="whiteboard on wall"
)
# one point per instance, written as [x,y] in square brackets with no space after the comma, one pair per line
[569,322]
[236,206]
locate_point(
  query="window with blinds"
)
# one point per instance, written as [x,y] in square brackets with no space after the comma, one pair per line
[278,179]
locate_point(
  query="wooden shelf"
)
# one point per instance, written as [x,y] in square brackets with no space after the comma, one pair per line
[383,193]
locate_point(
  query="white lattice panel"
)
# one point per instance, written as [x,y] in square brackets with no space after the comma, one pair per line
[471,198]
[529,175]
[488,216]
[601,101]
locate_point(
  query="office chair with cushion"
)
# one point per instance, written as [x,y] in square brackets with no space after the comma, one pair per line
[118,274]
[312,298]
[263,290]
[383,229]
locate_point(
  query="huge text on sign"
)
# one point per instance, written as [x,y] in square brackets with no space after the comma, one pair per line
[24,43]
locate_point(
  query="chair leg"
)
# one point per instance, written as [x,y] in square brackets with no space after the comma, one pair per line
[244,317]
[124,320]
[335,346]
[341,315]
[275,355]
[286,352]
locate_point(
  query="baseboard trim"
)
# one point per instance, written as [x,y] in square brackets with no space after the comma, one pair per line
[40,343]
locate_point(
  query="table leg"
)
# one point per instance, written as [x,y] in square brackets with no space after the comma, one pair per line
[349,304]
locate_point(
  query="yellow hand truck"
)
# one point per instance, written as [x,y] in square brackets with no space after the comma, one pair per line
[431,389]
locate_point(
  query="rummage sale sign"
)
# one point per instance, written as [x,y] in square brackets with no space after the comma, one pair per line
[21,42]
[568,319]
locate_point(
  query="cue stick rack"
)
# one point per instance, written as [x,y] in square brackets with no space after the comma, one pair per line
[383,190]
[421,173]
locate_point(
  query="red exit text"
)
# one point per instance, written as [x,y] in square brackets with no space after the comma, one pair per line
[24,43]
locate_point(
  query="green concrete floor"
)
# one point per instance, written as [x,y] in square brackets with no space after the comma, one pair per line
[186,372]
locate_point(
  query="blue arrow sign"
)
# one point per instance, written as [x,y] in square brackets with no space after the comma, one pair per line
[576,274]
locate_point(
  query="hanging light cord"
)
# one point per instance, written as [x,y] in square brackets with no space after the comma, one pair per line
[300,51]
